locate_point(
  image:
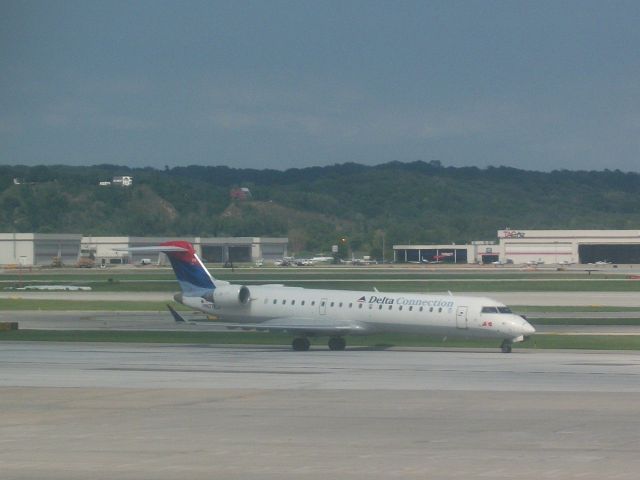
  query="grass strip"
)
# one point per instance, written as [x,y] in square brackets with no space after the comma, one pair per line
[584,321]
[335,280]
[559,308]
[15,304]
[549,341]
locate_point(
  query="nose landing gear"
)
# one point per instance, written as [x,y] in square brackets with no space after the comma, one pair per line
[506,346]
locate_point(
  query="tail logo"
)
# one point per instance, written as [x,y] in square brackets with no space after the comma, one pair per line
[193,277]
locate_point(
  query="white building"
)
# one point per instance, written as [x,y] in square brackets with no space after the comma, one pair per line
[37,249]
[569,246]
[124,181]
[211,249]
[533,247]
[27,249]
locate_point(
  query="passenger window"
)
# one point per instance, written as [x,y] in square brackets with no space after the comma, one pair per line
[340,304]
[323,304]
[390,307]
[379,307]
[332,304]
[284,302]
[400,308]
[421,308]
[370,306]
[275,301]
[359,305]
[313,302]
[350,305]
[293,302]
[431,309]
[411,309]
[440,310]
[302,302]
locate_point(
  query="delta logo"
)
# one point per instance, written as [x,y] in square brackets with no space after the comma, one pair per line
[362,299]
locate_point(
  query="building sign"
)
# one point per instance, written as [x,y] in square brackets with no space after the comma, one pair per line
[511,234]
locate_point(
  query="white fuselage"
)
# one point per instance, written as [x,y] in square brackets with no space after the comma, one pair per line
[374,312]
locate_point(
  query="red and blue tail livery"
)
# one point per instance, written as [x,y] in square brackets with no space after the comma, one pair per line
[193,277]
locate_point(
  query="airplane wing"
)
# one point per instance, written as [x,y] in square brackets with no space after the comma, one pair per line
[292,325]
[302,325]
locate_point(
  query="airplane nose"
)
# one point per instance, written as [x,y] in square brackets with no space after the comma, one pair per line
[527,329]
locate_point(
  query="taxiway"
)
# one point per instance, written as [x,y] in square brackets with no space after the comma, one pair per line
[75,411]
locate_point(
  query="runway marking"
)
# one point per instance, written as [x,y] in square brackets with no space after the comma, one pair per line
[197,370]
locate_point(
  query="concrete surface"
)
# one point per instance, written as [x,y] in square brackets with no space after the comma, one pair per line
[619,299]
[77,411]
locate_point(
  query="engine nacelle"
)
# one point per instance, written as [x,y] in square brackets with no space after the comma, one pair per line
[231,296]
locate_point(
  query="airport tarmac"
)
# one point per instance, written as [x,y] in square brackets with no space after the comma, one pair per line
[77,411]
[619,299]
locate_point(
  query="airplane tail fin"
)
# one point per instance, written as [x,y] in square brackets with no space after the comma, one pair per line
[193,277]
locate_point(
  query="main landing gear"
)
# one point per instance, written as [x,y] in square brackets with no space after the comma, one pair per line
[302,344]
[337,343]
[506,346]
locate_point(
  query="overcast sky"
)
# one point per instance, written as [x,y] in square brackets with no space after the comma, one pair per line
[279,84]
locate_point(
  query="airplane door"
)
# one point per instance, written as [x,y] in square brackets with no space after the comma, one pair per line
[461,317]
[323,306]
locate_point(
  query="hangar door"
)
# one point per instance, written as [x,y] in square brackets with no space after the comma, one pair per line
[46,250]
[629,253]
[240,254]
[272,252]
[213,253]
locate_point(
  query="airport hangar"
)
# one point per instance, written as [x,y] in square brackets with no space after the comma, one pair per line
[39,249]
[534,246]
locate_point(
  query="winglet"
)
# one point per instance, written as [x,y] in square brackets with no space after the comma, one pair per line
[176,316]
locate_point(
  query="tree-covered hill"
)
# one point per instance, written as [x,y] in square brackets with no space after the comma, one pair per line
[406,202]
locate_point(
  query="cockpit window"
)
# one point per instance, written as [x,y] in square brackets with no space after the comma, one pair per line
[489,310]
[504,310]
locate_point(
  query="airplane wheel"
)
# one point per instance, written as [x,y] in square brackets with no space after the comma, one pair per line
[301,344]
[506,347]
[337,343]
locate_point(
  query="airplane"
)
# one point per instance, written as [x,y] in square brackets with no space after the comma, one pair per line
[308,313]
[322,258]
[603,262]
[421,261]
[533,263]
[566,262]
[434,259]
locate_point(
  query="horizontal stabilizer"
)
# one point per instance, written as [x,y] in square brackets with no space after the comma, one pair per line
[153,249]
[176,316]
